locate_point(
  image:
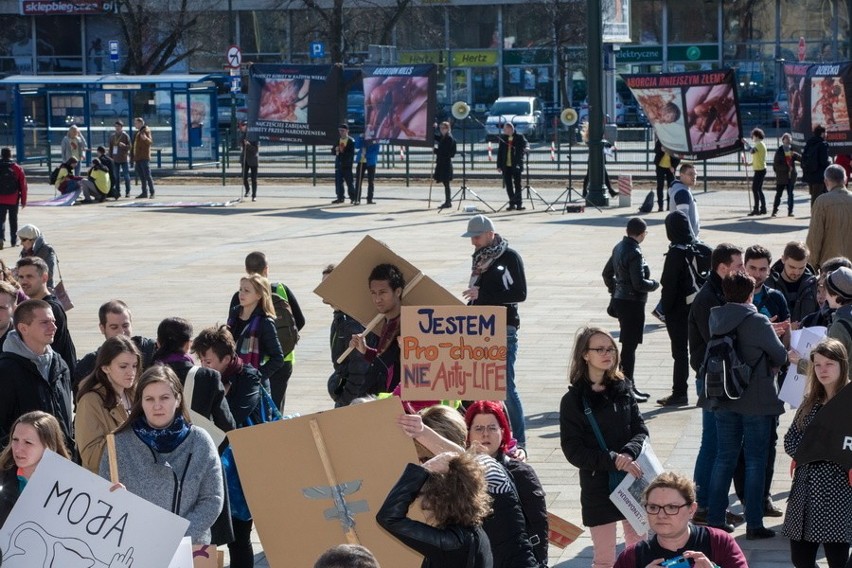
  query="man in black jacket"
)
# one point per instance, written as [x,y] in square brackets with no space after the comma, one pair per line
[115,319]
[628,279]
[498,279]
[510,161]
[726,259]
[814,161]
[33,276]
[344,155]
[793,277]
[32,375]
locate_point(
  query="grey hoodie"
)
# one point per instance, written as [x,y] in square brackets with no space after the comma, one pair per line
[758,347]
[14,344]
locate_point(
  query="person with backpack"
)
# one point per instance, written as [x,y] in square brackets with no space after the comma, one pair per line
[63,177]
[680,283]
[831,219]
[744,423]
[289,319]
[628,279]
[602,433]
[814,162]
[13,193]
[252,323]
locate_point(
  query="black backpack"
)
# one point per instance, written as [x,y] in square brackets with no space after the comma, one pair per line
[725,375]
[8,179]
[810,159]
[647,205]
[54,175]
[285,323]
[698,261]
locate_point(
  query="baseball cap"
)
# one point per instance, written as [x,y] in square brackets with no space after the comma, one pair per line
[477,225]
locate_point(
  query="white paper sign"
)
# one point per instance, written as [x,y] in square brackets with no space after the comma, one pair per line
[628,495]
[66,517]
[803,341]
[793,389]
[183,555]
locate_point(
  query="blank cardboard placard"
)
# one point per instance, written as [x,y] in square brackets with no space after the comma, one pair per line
[348,290]
[290,498]
[453,353]
[68,517]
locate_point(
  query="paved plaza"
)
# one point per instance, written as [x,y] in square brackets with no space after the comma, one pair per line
[187,262]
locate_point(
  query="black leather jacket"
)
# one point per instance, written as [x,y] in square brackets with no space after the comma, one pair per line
[447,547]
[626,274]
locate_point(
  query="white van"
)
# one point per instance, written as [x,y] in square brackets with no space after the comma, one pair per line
[526,113]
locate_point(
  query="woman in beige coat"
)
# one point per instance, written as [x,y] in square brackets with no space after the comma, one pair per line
[105,397]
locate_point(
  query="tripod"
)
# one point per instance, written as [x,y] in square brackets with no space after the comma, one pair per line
[569,189]
[530,191]
[464,189]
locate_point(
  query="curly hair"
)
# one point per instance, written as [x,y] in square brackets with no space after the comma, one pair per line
[579,367]
[460,496]
[672,480]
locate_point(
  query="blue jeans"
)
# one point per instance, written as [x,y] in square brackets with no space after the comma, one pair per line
[121,170]
[735,432]
[706,457]
[143,170]
[513,400]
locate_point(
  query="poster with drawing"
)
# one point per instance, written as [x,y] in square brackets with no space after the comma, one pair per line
[616,21]
[399,104]
[819,94]
[453,352]
[67,518]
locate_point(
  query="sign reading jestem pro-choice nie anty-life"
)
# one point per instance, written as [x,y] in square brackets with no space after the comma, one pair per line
[453,352]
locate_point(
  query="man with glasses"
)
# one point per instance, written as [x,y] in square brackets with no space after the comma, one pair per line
[680,195]
[628,279]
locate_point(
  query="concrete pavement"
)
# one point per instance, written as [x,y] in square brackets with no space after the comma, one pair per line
[187,262]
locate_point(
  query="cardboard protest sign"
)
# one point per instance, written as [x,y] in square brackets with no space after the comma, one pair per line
[294,103]
[453,353]
[347,289]
[829,435]
[67,517]
[695,114]
[820,93]
[627,497]
[316,481]
[561,533]
[399,104]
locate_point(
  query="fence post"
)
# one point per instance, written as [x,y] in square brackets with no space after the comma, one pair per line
[224,161]
[647,149]
[471,156]
[306,155]
[314,164]
[558,146]
[408,167]
[704,175]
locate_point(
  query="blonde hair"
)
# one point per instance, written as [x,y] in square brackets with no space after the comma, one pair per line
[260,284]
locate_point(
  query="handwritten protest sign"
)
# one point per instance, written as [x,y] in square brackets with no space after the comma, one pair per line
[66,516]
[453,352]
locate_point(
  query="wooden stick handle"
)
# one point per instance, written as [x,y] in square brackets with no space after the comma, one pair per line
[375,321]
[113,459]
[351,536]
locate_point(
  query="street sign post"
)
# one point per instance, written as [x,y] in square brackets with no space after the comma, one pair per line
[113,54]
[317,49]
[234,57]
[236,84]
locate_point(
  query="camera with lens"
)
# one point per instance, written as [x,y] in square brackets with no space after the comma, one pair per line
[678,562]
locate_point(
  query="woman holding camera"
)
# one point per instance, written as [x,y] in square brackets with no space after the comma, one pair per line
[670,503]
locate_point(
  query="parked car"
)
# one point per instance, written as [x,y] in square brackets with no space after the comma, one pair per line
[526,113]
[355,111]
[781,110]
[224,112]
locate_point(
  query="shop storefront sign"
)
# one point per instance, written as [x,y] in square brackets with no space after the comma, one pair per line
[474,58]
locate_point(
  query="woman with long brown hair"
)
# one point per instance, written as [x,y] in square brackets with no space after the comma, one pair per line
[820,498]
[602,433]
[105,397]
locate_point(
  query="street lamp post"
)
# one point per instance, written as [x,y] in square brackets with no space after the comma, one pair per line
[594,48]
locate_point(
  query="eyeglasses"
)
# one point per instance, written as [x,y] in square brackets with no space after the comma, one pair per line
[491,429]
[603,350]
[26,239]
[670,510]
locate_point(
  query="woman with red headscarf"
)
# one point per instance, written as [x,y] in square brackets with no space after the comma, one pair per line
[488,426]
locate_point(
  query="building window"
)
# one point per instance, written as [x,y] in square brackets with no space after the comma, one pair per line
[58,44]
[473,27]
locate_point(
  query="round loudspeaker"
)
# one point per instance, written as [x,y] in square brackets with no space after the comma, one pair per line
[568,117]
[460,110]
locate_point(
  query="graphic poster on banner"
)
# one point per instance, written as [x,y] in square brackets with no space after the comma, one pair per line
[67,516]
[695,114]
[294,103]
[333,489]
[453,352]
[194,127]
[399,104]
[616,21]
[820,94]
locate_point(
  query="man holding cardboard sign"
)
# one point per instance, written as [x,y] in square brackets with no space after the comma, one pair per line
[386,285]
[497,279]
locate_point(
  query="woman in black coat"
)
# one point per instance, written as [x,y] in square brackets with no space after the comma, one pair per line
[597,383]
[445,151]
[453,495]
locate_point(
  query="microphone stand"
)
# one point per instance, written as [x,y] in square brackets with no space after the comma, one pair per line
[464,189]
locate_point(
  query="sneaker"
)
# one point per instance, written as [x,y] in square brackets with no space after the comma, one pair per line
[674,400]
[759,533]
[659,315]
[254,199]
[770,510]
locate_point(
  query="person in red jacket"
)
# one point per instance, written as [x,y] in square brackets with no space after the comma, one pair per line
[13,192]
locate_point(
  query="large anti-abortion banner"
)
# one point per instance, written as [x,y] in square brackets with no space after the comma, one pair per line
[67,517]
[399,104]
[327,482]
[820,94]
[453,352]
[695,114]
[294,103]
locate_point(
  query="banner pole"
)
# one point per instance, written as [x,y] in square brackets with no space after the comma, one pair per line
[113,459]
[351,535]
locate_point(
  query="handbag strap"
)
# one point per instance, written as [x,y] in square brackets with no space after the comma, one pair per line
[594,424]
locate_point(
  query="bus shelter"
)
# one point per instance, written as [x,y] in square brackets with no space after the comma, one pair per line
[181,111]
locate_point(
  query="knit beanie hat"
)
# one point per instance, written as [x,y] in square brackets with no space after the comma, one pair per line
[839,283]
[29,232]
